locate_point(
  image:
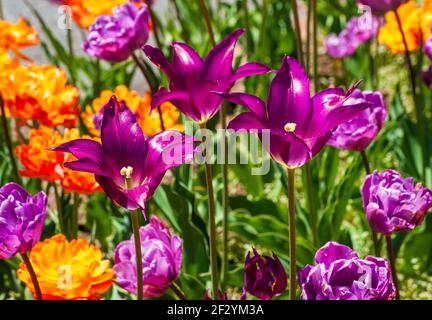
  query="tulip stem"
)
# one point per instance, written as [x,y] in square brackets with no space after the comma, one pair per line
[138,253]
[155,26]
[74,216]
[392,259]
[178,291]
[9,141]
[150,82]
[1,10]
[33,276]
[292,234]
[417,105]
[212,225]
[375,241]
[59,208]
[297,30]
[206,15]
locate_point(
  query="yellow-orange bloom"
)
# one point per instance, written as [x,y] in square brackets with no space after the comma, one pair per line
[40,93]
[415,22]
[39,162]
[150,124]
[84,12]
[68,270]
[17,36]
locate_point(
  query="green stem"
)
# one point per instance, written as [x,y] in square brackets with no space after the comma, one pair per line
[315,45]
[292,234]
[308,36]
[212,226]
[33,276]
[156,29]
[392,259]
[74,217]
[185,31]
[1,10]
[138,253]
[247,27]
[71,52]
[418,106]
[9,141]
[297,31]
[153,87]
[207,20]
[375,241]
[178,291]
[59,208]
[311,202]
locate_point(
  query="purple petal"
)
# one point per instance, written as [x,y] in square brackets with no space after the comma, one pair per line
[333,251]
[186,62]
[246,121]
[254,104]
[289,97]
[158,58]
[180,99]
[249,69]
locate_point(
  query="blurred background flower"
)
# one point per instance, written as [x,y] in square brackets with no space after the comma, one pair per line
[16,36]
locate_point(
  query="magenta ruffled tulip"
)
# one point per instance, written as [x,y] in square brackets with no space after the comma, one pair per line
[380,7]
[339,274]
[162,258]
[393,203]
[358,134]
[359,30]
[192,79]
[128,166]
[299,126]
[264,276]
[22,217]
[115,37]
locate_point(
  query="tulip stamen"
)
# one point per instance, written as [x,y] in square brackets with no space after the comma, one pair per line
[290,127]
[127,173]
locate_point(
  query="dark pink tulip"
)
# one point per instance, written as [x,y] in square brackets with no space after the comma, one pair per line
[192,79]
[299,125]
[380,7]
[393,203]
[162,258]
[264,276]
[358,134]
[22,217]
[128,166]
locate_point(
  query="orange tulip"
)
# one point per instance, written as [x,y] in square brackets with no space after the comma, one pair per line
[150,124]
[67,270]
[39,93]
[415,22]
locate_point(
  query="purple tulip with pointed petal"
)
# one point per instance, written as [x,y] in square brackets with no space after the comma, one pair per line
[161,257]
[128,166]
[393,203]
[192,79]
[299,125]
[264,276]
[380,7]
[339,274]
[358,134]
[22,217]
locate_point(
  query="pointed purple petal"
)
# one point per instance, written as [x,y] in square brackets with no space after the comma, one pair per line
[288,149]
[158,58]
[218,63]
[254,104]
[163,95]
[115,194]
[186,62]
[246,121]
[249,69]
[289,97]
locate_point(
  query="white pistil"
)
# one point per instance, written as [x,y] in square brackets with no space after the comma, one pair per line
[127,173]
[290,127]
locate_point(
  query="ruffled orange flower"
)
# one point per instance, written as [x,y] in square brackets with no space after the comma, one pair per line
[150,124]
[415,22]
[68,270]
[40,93]
[84,12]
[39,162]
[17,36]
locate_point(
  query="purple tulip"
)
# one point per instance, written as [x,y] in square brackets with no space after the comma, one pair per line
[128,166]
[380,7]
[22,217]
[264,276]
[358,134]
[359,30]
[393,203]
[427,77]
[339,274]
[115,37]
[192,80]
[299,125]
[162,258]
[428,47]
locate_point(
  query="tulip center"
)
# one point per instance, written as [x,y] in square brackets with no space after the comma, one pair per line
[126,172]
[290,127]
